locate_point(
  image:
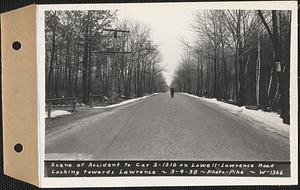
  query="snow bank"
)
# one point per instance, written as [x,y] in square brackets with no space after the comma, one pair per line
[56,113]
[125,102]
[270,120]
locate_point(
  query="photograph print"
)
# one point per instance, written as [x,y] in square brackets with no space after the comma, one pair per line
[168,83]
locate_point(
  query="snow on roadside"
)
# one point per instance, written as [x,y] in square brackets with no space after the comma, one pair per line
[270,120]
[125,102]
[56,113]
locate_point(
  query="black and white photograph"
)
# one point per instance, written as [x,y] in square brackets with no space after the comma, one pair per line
[168,84]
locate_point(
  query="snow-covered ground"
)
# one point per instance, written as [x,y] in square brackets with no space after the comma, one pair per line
[56,113]
[125,102]
[270,120]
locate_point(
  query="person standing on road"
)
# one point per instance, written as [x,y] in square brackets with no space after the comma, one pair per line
[172,91]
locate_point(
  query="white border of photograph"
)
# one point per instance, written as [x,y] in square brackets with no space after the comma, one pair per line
[170,181]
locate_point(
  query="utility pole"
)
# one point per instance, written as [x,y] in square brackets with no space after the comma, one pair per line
[113,51]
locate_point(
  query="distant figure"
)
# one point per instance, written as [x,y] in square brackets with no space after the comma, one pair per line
[172,92]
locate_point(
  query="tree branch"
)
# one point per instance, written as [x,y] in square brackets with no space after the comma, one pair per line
[266,25]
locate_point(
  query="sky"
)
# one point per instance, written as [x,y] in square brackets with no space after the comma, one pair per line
[168,25]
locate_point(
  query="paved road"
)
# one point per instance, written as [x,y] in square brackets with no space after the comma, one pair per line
[158,127]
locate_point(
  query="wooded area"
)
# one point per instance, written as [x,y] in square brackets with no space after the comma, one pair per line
[239,56]
[92,53]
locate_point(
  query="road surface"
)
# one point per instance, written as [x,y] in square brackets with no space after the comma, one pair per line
[161,128]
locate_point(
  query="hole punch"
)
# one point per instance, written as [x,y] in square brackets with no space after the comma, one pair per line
[18,148]
[16,45]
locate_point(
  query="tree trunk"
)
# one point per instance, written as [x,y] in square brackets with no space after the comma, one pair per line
[89,82]
[258,63]
[50,72]
[85,62]
[201,78]
[241,99]
[285,96]
[76,76]
[198,76]
[236,84]
[138,94]
[69,71]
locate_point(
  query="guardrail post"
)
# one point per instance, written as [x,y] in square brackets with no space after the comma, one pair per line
[74,105]
[49,109]
[91,101]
